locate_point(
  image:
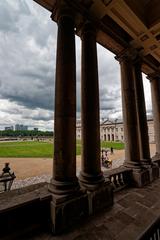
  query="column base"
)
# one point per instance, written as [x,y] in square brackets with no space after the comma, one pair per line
[91,182]
[156,157]
[147,163]
[66,213]
[101,198]
[132,165]
[154,172]
[141,177]
[156,161]
[63,188]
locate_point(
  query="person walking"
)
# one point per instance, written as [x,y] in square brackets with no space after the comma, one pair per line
[111,150]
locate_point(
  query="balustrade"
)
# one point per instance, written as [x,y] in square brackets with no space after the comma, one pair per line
[119,177]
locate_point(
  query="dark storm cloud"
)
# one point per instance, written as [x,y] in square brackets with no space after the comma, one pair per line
[37,114]
[31,102]
[41,116]
[29,80]
[109,80]
[27,64]
[27,55]
[109,84]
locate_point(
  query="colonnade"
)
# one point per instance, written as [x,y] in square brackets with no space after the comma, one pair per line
[155,93]
[137,154]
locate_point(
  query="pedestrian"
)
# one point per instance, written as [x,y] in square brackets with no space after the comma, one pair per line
[111,150]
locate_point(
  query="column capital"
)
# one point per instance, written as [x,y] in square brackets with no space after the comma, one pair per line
[138,60]
[60,10]
[88,27]
[129,54]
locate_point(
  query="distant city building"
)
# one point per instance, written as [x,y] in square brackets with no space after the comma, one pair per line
[8,128]
[114,130]
[35,129]
[21,127]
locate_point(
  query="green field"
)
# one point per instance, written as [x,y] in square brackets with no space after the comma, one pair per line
[41,149]
[115,145]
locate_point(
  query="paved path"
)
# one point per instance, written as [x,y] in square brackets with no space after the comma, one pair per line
[18,183]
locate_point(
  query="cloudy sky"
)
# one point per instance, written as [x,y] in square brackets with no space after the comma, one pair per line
[27,67]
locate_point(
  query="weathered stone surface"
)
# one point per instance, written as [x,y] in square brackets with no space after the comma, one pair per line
[141,178]
[100,199]
[24,209]
[68,213]
[91,176]
[134,211]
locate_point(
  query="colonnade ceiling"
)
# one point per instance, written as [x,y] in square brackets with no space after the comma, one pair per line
[121,24]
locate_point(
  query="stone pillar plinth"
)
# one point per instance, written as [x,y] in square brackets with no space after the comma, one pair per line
[141,115]
[155,93]
[64,180]
[90,176]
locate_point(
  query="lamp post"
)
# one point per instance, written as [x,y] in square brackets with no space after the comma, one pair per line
[6,178]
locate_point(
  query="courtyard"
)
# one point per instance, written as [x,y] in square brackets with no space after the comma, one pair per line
[31,170]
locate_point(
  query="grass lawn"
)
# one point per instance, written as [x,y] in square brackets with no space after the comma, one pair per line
[26,149]
[115,145]
[41,149]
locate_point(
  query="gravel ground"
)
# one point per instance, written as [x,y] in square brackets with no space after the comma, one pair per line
[29,181]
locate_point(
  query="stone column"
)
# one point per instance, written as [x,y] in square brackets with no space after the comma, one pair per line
[64,179]
[155,92]
[132,151]
[91,175]
[141,114]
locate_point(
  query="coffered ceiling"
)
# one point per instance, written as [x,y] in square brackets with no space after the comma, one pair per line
[122,24]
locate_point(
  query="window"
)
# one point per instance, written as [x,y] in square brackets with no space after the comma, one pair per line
[108,137]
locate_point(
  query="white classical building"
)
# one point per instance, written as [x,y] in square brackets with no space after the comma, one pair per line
[114,130]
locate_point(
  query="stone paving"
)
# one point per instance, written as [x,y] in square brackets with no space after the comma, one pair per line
[133,212]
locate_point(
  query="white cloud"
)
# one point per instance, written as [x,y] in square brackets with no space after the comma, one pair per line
[27,64]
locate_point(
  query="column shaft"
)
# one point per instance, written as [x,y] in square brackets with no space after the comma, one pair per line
[155,92]
[91,166]
[141,114]
[132,152]
[64,165]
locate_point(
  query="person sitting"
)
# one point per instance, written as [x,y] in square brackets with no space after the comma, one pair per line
[106,161]
[103,156]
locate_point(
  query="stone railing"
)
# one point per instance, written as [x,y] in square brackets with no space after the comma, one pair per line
[119,177]
[153,232]
[23,210]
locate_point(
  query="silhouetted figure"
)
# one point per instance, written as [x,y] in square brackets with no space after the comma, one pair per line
[111,150]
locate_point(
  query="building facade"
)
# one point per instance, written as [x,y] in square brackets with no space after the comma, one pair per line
[8,128]
[114,130]
[21,127]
